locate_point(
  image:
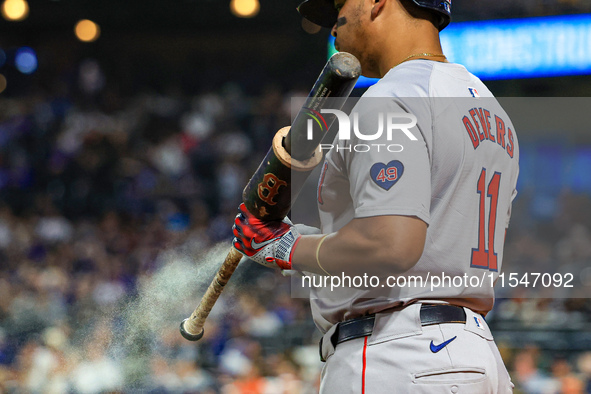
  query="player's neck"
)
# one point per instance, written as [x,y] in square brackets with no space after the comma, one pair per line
[424,45]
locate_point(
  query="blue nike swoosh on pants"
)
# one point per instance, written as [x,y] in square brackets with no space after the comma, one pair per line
[436,348]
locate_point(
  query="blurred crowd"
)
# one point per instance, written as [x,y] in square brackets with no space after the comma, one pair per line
[97,191]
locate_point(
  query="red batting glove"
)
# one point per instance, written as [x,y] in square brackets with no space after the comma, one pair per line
[270,243]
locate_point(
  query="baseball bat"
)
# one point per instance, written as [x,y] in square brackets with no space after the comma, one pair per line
[279,178]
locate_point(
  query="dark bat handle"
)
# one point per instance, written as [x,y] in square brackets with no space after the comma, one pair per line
[281,175]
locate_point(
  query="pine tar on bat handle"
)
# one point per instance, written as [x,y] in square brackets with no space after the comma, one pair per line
[275,184]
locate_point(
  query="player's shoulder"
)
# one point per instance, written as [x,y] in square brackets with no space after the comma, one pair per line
[406,80]
[423,78]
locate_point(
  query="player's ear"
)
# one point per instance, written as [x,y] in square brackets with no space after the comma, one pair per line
[377,8]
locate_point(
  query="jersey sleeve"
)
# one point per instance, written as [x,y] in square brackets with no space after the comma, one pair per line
[391,174]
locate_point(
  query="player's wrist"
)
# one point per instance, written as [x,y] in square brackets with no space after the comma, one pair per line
[318,254]
[304,256]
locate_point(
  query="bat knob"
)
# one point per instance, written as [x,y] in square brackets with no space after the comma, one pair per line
[189,336]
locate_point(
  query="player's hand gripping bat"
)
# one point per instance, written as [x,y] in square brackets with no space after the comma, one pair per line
[282,173]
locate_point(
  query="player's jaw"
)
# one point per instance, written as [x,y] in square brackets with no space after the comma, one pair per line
[352,35]
[346,27]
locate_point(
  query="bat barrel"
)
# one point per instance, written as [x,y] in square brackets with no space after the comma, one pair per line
[280,176]
[336,81]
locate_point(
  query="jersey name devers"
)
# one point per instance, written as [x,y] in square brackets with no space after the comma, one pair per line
[483,126]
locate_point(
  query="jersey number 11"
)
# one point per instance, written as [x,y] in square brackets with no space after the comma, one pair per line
[483,256]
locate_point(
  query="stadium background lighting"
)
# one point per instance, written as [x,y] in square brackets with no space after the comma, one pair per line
[517,48]
[245,8]
[2,83]
[87,31]
[25,60]
[15,10]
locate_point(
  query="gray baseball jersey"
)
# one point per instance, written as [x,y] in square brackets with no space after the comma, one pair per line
[458,175]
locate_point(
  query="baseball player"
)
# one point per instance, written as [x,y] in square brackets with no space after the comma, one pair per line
[436,206]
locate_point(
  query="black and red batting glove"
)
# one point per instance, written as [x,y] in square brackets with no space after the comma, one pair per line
[270,243]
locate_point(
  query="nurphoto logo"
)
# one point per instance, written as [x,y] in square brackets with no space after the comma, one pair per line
[388,123]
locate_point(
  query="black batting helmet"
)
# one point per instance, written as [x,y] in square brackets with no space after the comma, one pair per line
[323,12]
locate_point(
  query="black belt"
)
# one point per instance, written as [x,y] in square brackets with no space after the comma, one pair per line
[363,326]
